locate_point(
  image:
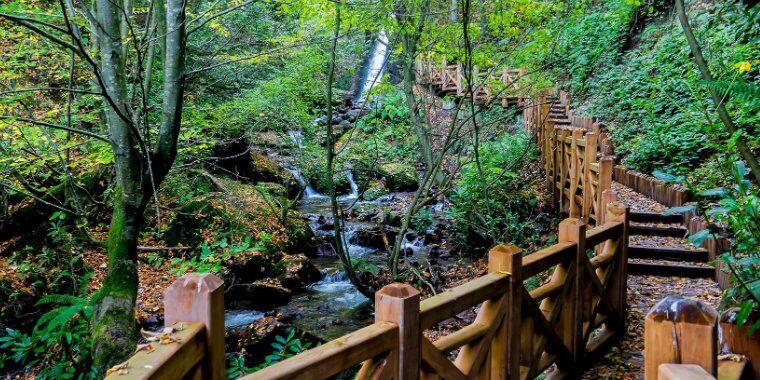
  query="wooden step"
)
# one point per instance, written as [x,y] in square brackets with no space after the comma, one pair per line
[560,121]
[664,231]
[668,253]
[655,217]
[670,270]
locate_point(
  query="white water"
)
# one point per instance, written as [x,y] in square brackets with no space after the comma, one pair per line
[354,192]
[376,66]
[308,191]
[338,289]
[297,137]
[239,318]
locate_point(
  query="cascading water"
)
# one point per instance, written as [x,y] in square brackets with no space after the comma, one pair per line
[308,191]
[375,67]
[297,137]
[354,187]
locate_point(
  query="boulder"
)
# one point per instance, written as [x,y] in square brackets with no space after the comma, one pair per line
[248,266]
[264,169]
[299,271]
[260,295]
[372,237]
[399,176]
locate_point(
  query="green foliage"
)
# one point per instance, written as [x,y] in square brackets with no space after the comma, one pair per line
[492,204]
[59,344]
[211,258]
[737,209]
[283,347]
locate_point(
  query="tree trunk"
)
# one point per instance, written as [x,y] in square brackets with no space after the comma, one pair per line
[720,103]
[113,323]
[113,328]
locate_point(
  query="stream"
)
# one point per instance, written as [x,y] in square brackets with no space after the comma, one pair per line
[332,306]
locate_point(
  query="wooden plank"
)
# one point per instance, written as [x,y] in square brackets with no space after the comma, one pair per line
[682,372]
[436,361]
[655,217]
[546,258]
[604,232]
[664,231]
[334,356]
[668,253]
[460,337]
[670,270]
[450,302]
[168,361]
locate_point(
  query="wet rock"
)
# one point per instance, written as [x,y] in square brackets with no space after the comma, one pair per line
[250,266]
[264,169]
[261,295]
[373,237]
[399,176]
[299,272]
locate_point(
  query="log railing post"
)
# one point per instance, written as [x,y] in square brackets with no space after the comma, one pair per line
[573,230]
[576,178]
[589,157]
[505,347]
[680,331]
[199,297]
[619,213]
[400,304]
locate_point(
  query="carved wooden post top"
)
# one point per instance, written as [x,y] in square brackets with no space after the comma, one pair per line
[398,290]
[202,282]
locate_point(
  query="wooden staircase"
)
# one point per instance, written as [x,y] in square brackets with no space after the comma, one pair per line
[654,258]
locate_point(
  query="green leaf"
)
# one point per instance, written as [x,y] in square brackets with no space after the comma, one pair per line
[680,210]
[716,192]
[699,238]
[661,175]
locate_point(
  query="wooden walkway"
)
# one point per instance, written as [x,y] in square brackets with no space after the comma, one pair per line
[562,326]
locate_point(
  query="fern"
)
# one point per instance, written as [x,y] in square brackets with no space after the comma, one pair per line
[740,90]
[60,300]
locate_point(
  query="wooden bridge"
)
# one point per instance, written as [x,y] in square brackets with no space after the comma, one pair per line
[487,85]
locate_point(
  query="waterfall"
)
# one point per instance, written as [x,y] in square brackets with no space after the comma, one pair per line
[297,137]
[354,193]
[376,66]
[308,192]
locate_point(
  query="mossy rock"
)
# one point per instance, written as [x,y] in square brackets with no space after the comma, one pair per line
[399,176]
[264,169]
[375,190]
[299,271]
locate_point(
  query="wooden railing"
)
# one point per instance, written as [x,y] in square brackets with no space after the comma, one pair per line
[518,332]
[486,84]
[192,344]
[581,180]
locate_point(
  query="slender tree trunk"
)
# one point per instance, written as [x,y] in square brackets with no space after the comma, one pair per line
[113,325]
[720,103]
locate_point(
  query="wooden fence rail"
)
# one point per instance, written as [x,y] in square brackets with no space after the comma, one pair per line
[486,84]
[571,156]
[518,332]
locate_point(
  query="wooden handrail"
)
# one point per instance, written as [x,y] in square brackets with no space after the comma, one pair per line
[447,304]
[180,354]
[516,333]
[335,356]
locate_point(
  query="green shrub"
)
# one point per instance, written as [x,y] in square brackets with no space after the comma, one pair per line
[491,208]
